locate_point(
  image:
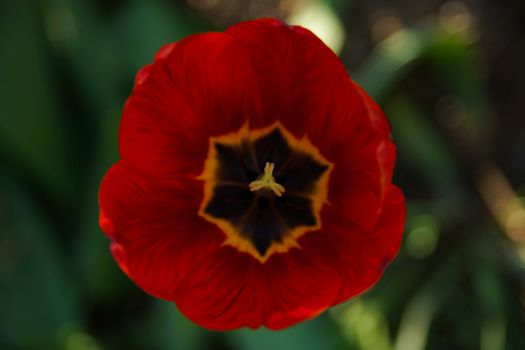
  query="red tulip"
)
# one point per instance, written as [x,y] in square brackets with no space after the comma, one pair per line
[255,181]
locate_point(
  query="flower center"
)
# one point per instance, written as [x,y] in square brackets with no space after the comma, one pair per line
[245,176]
[267,181]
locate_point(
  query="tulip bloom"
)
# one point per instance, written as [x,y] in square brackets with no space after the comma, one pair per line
[254,186]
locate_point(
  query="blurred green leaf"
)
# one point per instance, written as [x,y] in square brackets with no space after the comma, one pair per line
[170,330]
[32,133]
[416,321]
[455,68]
[314,334]
[363,324]
[37,296]
[420,143]
[103,279]
[390,60]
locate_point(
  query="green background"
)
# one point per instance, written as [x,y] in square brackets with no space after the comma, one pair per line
[450,77]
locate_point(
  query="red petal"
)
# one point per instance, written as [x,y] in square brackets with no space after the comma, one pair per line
[300,77]
[363,167]
[229,289]
[359,256]
[200,87]
[164,51]
[145,71]
[143,74]
[386,151]
[306,86]
[300,287]
[360,182]
[156,234]
[219,293]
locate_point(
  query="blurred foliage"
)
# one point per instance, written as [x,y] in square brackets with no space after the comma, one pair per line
[447,73]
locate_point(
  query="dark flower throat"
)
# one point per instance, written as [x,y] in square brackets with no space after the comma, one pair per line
[248,193]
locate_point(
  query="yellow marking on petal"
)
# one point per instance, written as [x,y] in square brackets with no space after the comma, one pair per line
[267,181]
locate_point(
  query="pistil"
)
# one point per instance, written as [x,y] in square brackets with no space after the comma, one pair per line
[267,181]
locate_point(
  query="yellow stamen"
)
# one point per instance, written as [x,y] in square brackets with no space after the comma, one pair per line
[267,181]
